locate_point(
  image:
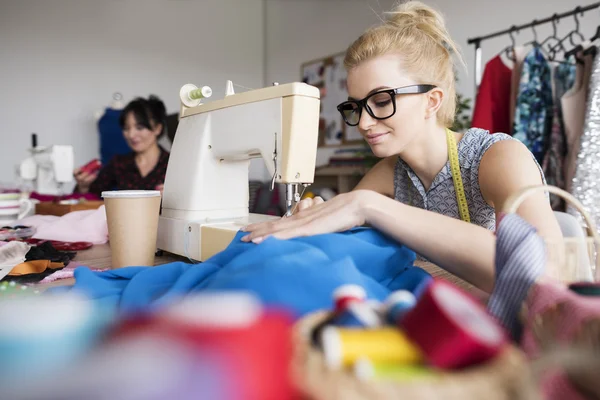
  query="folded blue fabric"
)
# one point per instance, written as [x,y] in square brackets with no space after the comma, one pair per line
[298,274]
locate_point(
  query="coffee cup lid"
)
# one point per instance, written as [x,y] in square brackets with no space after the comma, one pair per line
[130,194]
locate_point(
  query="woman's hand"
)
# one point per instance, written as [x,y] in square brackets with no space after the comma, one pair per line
[160,188]
[308,202]
[339,214]
[84,180]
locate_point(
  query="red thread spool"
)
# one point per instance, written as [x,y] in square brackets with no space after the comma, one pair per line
[346,294]
[91,167]
[452,329]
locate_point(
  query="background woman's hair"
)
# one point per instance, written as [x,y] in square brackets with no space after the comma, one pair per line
[147,112]
[418,34]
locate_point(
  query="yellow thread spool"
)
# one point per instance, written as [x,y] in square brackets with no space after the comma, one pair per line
[342,347]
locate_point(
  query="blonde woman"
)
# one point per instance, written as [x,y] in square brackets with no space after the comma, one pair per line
[402,98]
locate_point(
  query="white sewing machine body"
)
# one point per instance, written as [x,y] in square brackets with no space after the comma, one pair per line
[206,194]
[48,168]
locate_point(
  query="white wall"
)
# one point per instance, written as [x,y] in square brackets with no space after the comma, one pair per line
[61,62]
[302,30]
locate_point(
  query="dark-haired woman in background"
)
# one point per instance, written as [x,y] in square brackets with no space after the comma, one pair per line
[143,122]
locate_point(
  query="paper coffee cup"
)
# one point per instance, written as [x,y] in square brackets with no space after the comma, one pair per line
[132,217]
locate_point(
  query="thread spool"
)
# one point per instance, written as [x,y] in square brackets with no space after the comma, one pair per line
[201,93]
[191,96]
[358,315]
[398,304]
[365,370]
[342,347]
[346,294]
[470,334]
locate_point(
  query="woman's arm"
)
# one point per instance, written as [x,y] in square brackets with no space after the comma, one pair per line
[463,249]
[508,167]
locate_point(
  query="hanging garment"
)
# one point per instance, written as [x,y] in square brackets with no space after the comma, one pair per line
[574,106]
[554,159]
[586,183]
[297,274]
[533,113]
[112,141]
[492,107]
[519,57]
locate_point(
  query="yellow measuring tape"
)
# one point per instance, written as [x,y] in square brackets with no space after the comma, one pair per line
[461,199]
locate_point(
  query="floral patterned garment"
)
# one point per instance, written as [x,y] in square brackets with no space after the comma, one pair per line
[554,159]
[533,113]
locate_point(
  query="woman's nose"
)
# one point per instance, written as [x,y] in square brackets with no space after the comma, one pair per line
[366,121]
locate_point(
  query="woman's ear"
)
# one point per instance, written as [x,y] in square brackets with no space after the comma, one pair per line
[158,128]
[434,101]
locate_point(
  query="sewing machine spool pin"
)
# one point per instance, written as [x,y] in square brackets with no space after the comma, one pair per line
[191,96]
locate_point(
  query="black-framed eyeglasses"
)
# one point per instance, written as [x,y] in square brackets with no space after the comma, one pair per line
[380,105]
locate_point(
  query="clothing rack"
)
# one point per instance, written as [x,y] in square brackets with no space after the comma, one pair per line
[516,28]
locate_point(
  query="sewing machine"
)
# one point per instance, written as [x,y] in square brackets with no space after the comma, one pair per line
[48,169]
[206,194]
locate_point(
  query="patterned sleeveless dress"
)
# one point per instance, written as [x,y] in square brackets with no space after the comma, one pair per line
[441,196]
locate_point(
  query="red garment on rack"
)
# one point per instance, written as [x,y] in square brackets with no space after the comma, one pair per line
[492,108]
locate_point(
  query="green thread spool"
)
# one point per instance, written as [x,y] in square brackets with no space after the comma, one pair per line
[200,93]
[366,370]
[191,96]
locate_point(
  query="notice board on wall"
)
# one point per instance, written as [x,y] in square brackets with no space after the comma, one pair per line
[329,75]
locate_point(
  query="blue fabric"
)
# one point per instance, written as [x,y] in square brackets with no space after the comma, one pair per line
[112,141]
[299,274]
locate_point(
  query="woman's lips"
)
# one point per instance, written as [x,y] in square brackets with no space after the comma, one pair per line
[375,138]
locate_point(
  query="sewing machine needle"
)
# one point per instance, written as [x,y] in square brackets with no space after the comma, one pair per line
[289,198]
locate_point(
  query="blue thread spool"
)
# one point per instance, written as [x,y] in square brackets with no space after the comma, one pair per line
[398,304]
[358,315]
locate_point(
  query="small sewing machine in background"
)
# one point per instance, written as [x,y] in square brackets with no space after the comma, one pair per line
[205,198]
[48,169]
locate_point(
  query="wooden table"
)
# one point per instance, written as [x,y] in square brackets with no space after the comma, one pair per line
[99,256]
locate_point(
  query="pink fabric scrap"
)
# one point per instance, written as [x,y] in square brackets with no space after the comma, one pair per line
[66,273]
[77,226]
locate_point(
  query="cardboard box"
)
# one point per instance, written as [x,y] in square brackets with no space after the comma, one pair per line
[52,208]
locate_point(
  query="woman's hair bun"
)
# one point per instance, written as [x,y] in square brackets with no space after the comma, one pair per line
[415,15]
[160,111]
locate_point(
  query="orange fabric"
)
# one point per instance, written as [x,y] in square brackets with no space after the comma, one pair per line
[34,267]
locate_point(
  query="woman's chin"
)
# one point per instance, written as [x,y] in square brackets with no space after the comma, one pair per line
[139,147]
[381,151]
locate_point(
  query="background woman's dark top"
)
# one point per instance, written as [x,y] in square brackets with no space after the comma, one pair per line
[122,173]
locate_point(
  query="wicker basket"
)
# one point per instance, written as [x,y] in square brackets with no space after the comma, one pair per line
[571,259]
[506,377]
